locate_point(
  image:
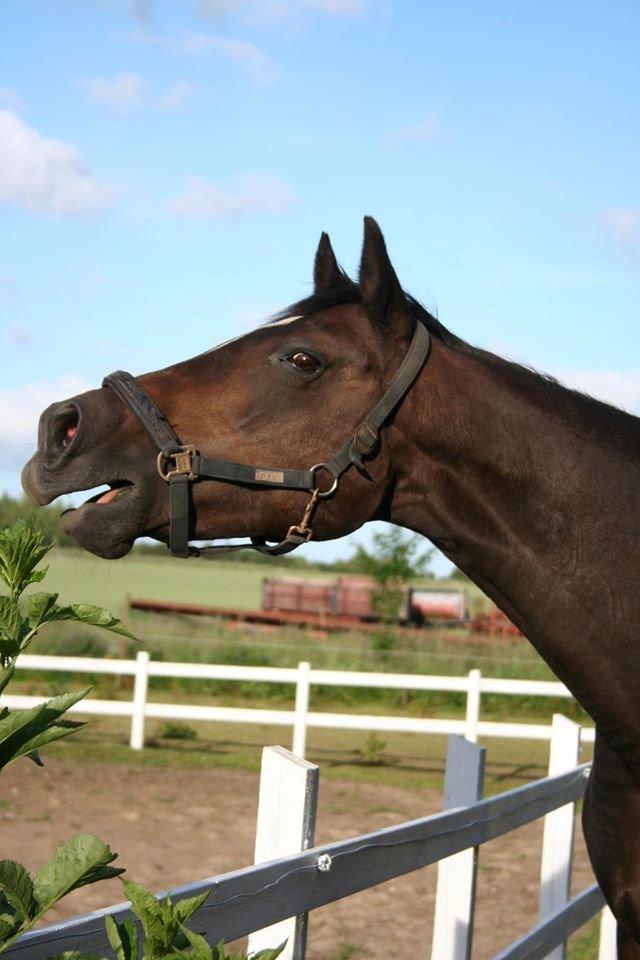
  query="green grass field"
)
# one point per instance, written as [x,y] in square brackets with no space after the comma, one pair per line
[217,582]
[109,582]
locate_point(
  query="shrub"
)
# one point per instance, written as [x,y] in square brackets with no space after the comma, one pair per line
[177,730]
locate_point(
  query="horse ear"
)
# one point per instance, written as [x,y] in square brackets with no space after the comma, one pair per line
[382,295]
[327,272]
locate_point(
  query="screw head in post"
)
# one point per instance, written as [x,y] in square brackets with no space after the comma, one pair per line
[324,863]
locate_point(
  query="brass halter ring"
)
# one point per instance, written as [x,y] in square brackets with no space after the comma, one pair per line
[323,494]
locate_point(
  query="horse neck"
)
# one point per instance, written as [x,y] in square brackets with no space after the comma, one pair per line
[534,492]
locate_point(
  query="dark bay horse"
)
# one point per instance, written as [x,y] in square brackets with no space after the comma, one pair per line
[530,488]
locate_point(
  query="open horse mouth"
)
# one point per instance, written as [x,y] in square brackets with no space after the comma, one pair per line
[76,452]
[108,522]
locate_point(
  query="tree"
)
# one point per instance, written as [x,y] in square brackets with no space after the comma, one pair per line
[395,558]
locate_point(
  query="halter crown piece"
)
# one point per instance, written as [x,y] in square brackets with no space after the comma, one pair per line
[181,464]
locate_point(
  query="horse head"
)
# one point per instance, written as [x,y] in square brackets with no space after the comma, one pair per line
[291,392]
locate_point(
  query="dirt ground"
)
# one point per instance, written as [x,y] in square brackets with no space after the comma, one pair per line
[173,826]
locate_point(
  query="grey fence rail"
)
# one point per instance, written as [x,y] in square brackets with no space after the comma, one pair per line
[255,897]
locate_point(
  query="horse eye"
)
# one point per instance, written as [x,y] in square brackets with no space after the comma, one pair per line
[304,362]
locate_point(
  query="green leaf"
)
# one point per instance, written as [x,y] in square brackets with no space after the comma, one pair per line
[10,619]
[5,676]
[150,912]
[270,954]
[90,613]
[17,887]
[185,909]
[143,903]
[11,629]
[9,924]
[39,607]
[21,550]
[23,731]
[123,937]
[200,949]
[82,859]
[57,731]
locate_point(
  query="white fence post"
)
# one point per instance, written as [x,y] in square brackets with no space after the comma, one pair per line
[286,824]
[557,843]
[473,706]
[140,685]
[608,949]
[456,890]
[299,745]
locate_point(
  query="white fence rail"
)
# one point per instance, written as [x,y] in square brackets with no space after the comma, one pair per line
[302,678]
[306,877]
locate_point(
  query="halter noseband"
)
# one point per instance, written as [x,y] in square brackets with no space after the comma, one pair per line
[180,464]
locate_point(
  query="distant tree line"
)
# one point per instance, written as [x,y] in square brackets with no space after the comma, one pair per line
[44,519]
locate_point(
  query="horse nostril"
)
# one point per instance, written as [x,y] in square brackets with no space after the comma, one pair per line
[63,428]
[69,434]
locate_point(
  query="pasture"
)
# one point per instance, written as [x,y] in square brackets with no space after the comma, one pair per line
[217,582]
[369,780]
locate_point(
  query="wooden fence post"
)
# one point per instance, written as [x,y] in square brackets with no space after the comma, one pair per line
[473,706]
[557,843]
[301,709]
[607,949]
[140,685]
[456,890]
[286,824]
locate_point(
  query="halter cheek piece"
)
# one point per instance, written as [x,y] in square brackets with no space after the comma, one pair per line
[181,464]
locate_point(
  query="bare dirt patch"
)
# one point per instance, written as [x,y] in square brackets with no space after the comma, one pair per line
[172,826]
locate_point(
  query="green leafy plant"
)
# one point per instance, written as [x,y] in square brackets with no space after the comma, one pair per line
[83,859]
[24,900]
[177,730]
[373,750]
[23,732]
[166,934]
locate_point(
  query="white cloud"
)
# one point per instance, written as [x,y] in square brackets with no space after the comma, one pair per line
[20,409]
[44,175]
[10,98]
[19,335]
[337,8]
[141,10]
[245,54]
[623,223]
[254,193]
[176,96]
[122,92]
[428,130]
[256,64]
[128,91]
[255,12]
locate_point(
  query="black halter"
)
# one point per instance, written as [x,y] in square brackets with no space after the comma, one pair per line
[180,464]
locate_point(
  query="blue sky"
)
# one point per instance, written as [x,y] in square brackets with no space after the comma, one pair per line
[166,169]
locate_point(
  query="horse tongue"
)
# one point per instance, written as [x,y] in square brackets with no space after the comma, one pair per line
[108,496]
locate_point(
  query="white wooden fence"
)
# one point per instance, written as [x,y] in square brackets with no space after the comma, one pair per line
[298,877]
[302,678]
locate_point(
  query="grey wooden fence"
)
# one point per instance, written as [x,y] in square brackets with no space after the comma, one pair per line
[255,897]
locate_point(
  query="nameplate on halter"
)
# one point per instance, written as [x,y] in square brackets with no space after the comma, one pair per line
[271,476]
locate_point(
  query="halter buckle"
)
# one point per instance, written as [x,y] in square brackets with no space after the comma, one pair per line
[299,534]
[183,460]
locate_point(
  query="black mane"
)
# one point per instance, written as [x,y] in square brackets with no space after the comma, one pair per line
[350,292]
